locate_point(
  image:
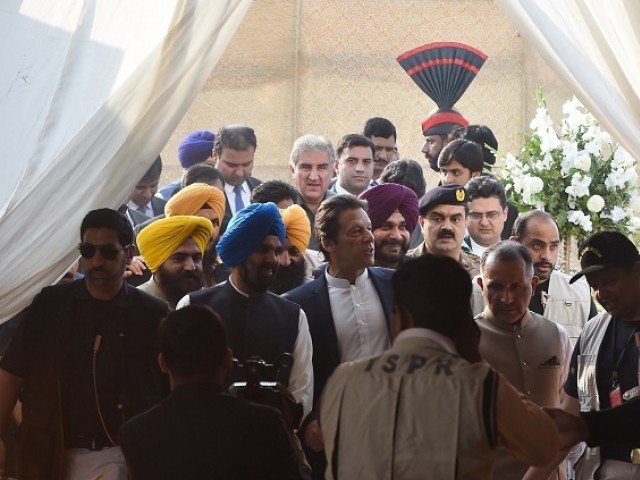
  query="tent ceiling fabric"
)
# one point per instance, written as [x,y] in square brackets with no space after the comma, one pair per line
[91,92]
[594,47]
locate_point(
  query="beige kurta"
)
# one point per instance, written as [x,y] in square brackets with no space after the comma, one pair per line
[535,359]
[152,288]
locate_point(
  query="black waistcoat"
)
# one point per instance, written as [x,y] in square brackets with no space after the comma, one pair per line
[265,325]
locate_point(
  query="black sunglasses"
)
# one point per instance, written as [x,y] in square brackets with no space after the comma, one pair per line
[108,252]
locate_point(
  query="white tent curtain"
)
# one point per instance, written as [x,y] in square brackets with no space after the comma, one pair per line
[594,47]
[90,91]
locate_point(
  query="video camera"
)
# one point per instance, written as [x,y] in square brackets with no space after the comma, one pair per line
[265,383]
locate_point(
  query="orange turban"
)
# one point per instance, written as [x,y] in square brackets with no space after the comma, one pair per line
[191,199]
[298,226]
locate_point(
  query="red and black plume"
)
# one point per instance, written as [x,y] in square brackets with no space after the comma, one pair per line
[443,70]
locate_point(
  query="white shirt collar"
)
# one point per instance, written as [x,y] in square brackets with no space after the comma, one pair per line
[231,189]
[343,282]
[441,340]
[476,247]
[342,191]
[237,289]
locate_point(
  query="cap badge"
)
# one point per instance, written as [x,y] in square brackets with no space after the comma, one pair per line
[460,195]
[594,250]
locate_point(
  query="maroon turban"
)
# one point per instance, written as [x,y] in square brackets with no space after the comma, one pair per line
[386,198]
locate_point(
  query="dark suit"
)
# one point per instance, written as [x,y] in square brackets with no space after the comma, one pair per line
[313,297]
[512,214]
[137,217]
[332,185]
[252,183]
[198,432]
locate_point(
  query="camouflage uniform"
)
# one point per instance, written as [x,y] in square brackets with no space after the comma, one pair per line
[469,261]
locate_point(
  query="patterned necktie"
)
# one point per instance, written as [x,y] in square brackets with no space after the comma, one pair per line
[239,202]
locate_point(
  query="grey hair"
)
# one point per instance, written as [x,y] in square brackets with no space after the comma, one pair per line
[311,143]
[507,251]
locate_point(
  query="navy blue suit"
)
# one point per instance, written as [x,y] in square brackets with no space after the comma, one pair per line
[313,297]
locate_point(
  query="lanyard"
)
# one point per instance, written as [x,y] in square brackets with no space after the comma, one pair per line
[616,366]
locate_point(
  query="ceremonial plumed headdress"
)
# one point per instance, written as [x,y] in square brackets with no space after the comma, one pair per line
[158,240]
[247,230]
[386,198]
[443,71]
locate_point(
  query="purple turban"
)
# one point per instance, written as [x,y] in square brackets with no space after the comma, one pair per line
[195,148]
[386,198]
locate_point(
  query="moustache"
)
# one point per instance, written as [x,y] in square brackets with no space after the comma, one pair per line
[189,276]
[446,234]
[269,266]
[542,264]
[96,269]
[392,243]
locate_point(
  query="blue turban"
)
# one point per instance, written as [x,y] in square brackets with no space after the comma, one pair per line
[246,232]
[195,148]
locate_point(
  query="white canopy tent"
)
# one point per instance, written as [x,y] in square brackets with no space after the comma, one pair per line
[91,91]
[594,47]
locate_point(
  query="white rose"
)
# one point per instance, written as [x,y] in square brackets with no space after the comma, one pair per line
[548,140]
[542,120]
[533,185]
[595,203]
[571,105]
[634,224]
[593,148]
[621,158]
[618,214]
[579,185]
[579,218]
[635,203]
[583,161]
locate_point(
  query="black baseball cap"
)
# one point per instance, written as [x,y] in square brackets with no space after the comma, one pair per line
[449,194]
[603,250]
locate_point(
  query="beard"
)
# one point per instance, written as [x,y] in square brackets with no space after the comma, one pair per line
[288,278]
[383,258]
[177,285]
[255,280]
[433,162]
[546,275]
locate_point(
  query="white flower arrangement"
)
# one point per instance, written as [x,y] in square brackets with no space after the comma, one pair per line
[580,175]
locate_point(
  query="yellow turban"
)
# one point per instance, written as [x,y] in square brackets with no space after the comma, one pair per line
[298,226]
[191,198]
[160,239]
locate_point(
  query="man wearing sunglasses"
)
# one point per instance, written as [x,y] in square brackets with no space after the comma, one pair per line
[83,360]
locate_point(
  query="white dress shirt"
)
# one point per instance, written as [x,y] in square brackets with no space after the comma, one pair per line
[301,375]
[342,191]
[476,248]
[358,316]
[231,195]
[147,210]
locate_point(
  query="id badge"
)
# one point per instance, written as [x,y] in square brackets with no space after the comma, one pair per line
[615,397]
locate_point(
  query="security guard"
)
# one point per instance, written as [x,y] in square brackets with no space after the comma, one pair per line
[604,365]
[84,361]
[428,406]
